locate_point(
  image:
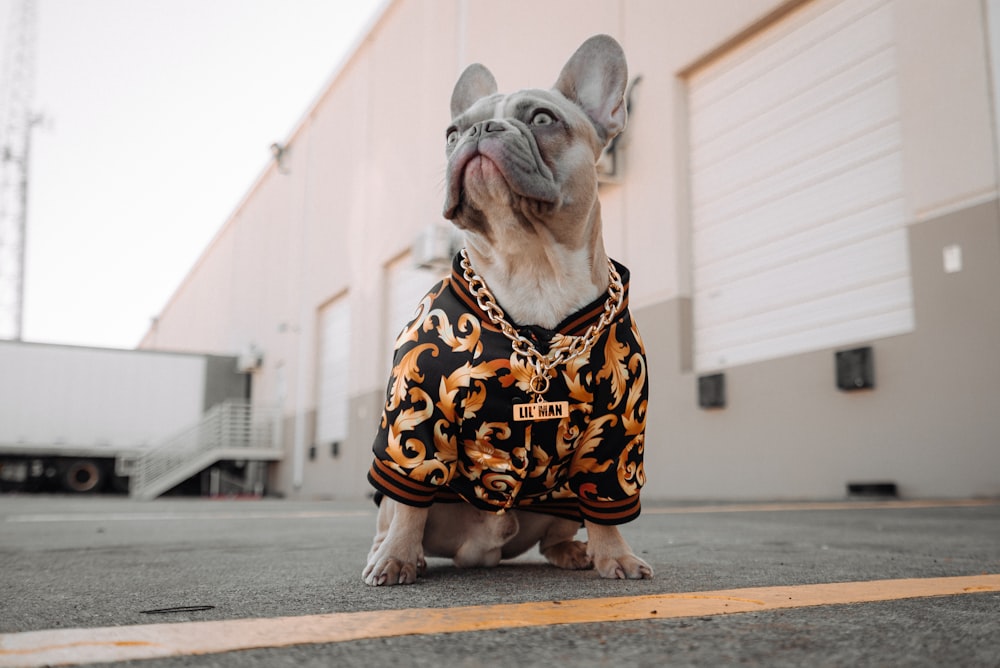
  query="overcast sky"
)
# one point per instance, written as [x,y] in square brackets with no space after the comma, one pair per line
[160,118]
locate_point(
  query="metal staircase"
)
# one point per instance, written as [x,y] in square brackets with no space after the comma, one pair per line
[232,430]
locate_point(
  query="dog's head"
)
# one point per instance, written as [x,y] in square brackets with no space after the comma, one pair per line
[529,158]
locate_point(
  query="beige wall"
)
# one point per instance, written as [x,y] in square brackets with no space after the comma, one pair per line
[363,174]
[947,117]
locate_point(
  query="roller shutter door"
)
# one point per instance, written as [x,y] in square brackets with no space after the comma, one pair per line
[334,369]
[406,286]
[798,230]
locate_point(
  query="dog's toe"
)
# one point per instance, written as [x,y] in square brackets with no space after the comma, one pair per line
[391,571]
[625,567]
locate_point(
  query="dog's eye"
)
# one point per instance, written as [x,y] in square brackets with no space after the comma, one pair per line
[542,117]
[452,135]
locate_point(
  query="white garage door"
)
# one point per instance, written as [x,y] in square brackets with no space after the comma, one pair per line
[334,369]
[406,286]
[799,235]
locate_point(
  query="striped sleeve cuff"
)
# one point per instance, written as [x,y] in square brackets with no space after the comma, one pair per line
[397,486]
[610,512]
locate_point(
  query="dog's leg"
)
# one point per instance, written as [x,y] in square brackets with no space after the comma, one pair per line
[554,537]
[559,546]
[397,555]
[612,556]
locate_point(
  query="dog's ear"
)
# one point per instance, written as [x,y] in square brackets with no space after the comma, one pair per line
[475,83]
[595,78]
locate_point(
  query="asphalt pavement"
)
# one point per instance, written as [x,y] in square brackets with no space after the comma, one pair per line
[96,562]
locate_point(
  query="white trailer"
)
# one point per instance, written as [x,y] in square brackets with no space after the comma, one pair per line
[76,417]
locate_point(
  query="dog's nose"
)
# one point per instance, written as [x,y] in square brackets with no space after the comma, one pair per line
[488,127]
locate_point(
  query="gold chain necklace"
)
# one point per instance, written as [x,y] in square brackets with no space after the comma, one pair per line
[565,350]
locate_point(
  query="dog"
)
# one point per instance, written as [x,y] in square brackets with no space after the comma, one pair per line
[516,406]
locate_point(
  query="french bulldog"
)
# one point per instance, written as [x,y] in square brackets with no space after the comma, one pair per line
[516,406]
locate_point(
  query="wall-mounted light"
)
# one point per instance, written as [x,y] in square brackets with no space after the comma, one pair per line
[855,369]
[278,152]
[712,391]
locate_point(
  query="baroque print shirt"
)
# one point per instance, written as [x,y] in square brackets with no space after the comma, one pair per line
[448,433]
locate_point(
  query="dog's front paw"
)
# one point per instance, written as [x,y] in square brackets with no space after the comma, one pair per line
[571,555]
[388,570]
[622,567]
[613,558]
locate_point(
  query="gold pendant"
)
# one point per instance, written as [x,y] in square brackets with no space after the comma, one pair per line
[541,410]
[538,385]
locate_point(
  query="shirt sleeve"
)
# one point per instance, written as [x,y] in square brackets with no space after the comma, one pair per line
[414,449]
[607,470]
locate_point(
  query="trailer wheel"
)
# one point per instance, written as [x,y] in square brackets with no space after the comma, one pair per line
[82,476]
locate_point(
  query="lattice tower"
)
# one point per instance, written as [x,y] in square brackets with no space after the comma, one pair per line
[16,122]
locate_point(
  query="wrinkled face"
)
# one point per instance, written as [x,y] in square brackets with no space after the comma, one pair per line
[529,157]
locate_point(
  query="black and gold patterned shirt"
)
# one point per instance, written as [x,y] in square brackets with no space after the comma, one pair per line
[448,433]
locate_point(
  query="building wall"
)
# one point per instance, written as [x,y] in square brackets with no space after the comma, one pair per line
[362,176]
[930,424]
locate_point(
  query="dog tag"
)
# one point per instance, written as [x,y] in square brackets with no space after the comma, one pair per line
[541,410]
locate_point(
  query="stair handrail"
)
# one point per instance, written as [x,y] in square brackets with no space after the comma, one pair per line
[233,423]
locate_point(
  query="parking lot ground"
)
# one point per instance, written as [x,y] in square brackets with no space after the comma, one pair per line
[181,582]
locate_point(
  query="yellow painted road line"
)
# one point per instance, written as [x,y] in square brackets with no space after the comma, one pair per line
[122,643]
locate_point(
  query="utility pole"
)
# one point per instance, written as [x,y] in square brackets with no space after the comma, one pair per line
[17,120]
